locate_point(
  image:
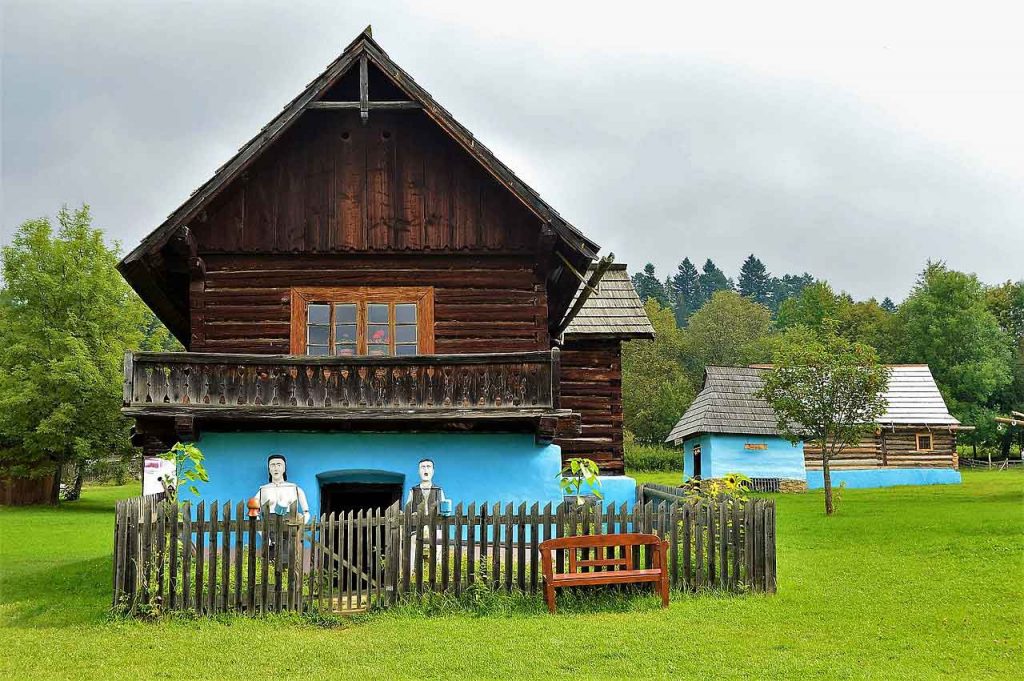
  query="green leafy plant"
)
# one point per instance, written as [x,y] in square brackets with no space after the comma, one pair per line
[731,485]
[578,472]
[188,466]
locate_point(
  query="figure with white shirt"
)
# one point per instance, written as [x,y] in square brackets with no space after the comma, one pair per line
[278,495]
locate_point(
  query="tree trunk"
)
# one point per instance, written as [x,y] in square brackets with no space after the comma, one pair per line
[76,491]
[827,475]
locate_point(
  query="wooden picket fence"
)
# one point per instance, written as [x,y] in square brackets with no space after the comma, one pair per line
[214,558]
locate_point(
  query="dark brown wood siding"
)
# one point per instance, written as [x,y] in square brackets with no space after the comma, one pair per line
[591,384]
[481,303]
[332,184]
[890,449]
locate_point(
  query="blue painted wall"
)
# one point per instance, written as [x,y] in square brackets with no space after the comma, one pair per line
[886,477]
[722,454]
[469,466]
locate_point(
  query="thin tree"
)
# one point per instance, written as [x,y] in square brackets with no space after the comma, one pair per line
[825,391]
[755,282]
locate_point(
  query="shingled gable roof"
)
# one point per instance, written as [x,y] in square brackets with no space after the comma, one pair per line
[583,250]
[614,310]
[728,403]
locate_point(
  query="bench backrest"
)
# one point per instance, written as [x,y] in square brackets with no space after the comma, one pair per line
[626,540]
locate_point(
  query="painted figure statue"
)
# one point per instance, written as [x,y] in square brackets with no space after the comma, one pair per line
[278,494]
[426,492]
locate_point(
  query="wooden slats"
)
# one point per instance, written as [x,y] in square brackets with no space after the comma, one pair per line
[216,559]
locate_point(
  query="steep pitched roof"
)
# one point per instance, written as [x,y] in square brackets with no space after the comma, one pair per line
[140,267]
[614,310]
[729,403]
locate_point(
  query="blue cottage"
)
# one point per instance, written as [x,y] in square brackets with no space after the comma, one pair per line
[730,429]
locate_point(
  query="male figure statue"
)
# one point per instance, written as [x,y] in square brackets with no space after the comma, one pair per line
[426,491]
[278,494]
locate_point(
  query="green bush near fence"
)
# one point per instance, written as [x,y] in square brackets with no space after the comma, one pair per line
[651,458]
[911,582]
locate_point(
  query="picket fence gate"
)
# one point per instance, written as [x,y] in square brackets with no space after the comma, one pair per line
[215,558]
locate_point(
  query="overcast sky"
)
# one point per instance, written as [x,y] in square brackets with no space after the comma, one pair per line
[854,144]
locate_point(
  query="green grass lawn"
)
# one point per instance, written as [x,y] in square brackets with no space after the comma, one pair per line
[904,583]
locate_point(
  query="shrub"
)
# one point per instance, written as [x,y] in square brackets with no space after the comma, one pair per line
[652,458]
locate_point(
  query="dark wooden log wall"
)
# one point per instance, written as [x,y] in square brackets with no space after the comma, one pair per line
[481,303]
[890,449]
[591,384]
[331,184]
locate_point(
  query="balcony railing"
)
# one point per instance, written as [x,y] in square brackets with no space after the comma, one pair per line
[261,385]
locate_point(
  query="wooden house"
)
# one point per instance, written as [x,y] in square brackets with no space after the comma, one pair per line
[363,285]
[730,428]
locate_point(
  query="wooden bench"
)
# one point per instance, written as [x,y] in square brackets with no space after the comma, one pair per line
[609,570]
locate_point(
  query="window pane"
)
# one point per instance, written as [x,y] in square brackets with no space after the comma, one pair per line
[318,335]
[345,333]
[377,313]
[345,313]
[316,350]
[405,334]
[405,313]
[377,333]
[378,350]
[318,314]
[346,350]
[405,349]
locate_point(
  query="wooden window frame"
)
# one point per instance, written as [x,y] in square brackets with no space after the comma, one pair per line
[421,296]
[931,442]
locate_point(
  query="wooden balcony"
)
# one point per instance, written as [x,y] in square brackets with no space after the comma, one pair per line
[447,391]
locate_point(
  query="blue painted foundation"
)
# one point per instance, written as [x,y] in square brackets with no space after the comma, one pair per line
[886,477]
[774,457]
[470,467]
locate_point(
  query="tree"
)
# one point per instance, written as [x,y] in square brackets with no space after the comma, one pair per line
[1006,302]
[712,280]
[68,319]
[727,331]
[648,287]
[788,286]
[946,324]
[827,391]
[755,283]
[655,390]
[816,303]
[686,290]
[888,305]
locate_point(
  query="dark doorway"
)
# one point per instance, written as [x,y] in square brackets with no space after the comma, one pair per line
[344,497]
[696,461]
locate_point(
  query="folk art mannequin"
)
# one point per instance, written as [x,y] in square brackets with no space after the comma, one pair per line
[278,494]
[426,491]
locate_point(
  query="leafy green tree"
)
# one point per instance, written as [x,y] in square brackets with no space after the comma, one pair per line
[946,324]
[67,320]
[788,286]
[1006,302]
[712,280]
[729,330]
[686,289]
[155,336]
[816,303]
[754,282]
[655,390]
[867,322]
[825,390]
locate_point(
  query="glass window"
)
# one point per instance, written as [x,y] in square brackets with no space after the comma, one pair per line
[369,325]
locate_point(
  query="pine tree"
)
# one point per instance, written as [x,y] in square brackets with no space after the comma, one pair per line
[755,283]
[712,280]
[648,287]
[888,305]
[789,286]
[686,290]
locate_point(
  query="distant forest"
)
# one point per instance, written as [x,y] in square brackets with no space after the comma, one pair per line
[970,333]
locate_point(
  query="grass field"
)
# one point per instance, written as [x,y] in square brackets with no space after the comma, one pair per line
[904,583]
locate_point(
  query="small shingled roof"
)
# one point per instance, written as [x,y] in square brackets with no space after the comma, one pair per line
[615,310]
[728,403]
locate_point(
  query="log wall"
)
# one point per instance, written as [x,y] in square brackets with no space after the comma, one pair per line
[591,384]
[890,449]
[482,303]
